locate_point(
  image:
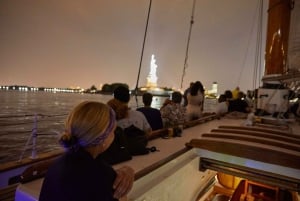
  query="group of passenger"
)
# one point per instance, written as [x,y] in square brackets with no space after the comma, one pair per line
[82,174]
[183,107]
[232,101]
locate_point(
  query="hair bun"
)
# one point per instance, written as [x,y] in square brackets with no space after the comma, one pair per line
[67,140]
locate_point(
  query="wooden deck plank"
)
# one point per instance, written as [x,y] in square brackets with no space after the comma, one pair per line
[257,134]
[261,140]
[266,130]
[272,156]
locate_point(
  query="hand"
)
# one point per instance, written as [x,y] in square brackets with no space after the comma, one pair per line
[123,182]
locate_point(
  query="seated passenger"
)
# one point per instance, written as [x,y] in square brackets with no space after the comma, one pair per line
[152,115]
[127,117]
[173,113]
[222,106]
[80,173]
[195,99]
[185,101]
[235,93]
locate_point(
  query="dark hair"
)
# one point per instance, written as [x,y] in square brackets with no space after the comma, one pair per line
[228,94]
[176,97]
[222,98]
[241,95]
[121,93]
[147,99]
[197,86]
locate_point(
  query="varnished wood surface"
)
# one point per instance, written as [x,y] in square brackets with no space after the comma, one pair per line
[277,36]
[259,144]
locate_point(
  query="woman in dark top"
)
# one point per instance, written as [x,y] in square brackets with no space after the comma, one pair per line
[80,174]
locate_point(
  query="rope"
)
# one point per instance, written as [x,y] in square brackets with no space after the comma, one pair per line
[185,66]
[258,48]
[142,53]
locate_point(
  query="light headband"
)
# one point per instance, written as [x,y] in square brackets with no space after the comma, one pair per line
[105,134]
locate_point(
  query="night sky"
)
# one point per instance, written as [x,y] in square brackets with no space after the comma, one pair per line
[70,43]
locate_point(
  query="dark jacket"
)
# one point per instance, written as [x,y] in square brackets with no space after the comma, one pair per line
[76,176]
[153,117]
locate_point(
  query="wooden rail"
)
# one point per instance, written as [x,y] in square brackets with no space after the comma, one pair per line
[8,193]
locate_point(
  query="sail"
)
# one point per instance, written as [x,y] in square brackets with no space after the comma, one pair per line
[277,37]
[282,58]
[294,41]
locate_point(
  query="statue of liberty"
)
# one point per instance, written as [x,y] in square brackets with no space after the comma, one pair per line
[152,78]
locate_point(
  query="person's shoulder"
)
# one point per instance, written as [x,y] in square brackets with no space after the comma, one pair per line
[144,109]
[140,109]
[156,110]
[135,113]
[153,111]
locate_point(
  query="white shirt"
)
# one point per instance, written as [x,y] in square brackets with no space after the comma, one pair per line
[194,106]
[222,108]
[135,118]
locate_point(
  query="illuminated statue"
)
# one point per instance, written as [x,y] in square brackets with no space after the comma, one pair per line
[152,78]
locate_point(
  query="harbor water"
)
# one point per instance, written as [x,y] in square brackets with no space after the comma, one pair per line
[43,113]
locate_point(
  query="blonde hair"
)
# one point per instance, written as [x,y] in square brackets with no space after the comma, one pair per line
[89,123]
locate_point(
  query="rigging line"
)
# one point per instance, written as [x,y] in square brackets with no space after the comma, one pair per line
[142,53]
[258,62]
[247,49]
[256,49]
[188,44]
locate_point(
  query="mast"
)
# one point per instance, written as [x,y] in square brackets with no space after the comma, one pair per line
[188,44]
[142,53]
[279,13]
[273,96]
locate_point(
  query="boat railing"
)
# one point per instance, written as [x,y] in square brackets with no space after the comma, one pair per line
[32,138]
[38,170]
[54,153]
[35,133]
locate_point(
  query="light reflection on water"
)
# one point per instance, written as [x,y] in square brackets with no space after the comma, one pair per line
[18,109]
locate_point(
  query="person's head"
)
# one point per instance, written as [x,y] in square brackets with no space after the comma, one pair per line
[196,87]
[89,124]
[200,85]
[191,84]
[121,93]
[228,94]
[176,97]
[222,98]
[241,95]
[147,99]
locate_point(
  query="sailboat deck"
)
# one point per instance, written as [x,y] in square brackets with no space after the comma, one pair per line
[221,144]
[270,154]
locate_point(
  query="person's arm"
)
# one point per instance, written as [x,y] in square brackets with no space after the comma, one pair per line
[123,182]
